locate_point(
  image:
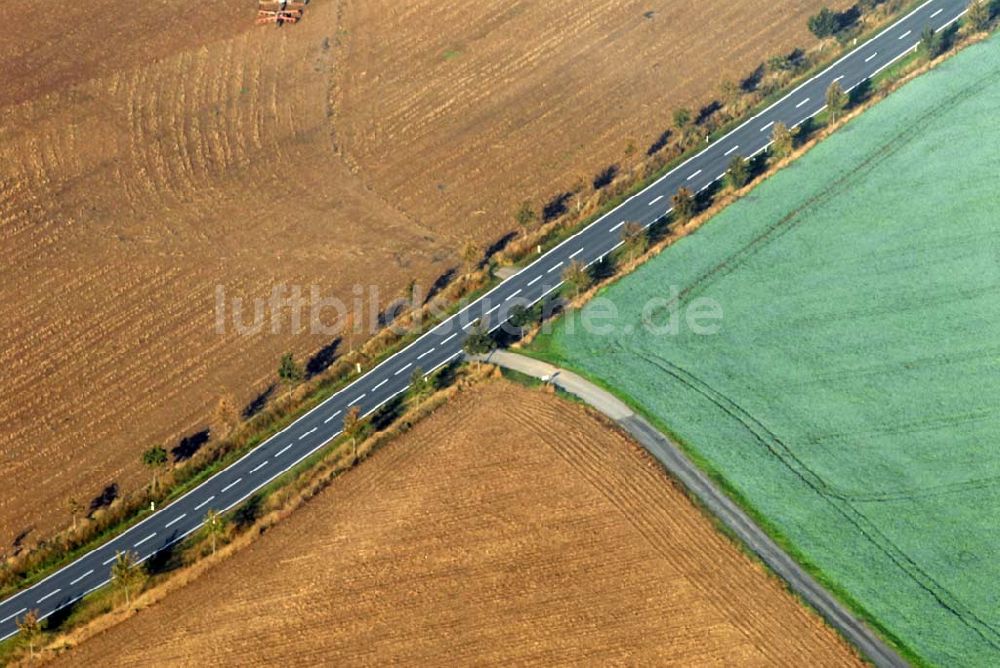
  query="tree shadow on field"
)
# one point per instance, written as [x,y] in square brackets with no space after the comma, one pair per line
[105,498]
[440,283]
[556,207]
[660,143]
[257,404]
[659,229]
[248,512]
[447,375]
[752,80]
[166,560]
[498,245]
[395,309]
[58,619]
[707,111]
[606,176]
[859,93]
[323,358]
[189,446]
[388,414]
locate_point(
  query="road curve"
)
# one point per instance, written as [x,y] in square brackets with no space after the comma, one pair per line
[669,454]
[443,343]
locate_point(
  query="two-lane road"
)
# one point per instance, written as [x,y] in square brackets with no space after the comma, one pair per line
[444,343]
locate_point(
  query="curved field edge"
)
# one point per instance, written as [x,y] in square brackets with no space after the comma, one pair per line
[955,86]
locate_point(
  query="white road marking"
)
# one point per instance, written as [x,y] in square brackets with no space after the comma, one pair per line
[428,352]
[656,200]
[767,126]
[108,561]
[362,396]
[231,485]
[612,230]
[204,503]
[175,520]
[310,431]
[937,12]
[152,535]
[802,103]
[380,385]
[694,175]
[575,253]
[838,78]
[259,466]
[330,419]
[534,280]
[871,57]
[403,368]
[283,450]
[905,34]
[934,15]
[490,311]
[49,595]
[554,268]
[733,149]
[513,294]
[456,333]
[7,619]
[82,576]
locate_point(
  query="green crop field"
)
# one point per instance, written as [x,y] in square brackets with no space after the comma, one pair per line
[851,398]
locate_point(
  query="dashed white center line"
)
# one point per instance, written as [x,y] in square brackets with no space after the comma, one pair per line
[905,34]
[534,280]
[175,520]
[90,572]
[656,200]
[7,619]
[283,450]
[231,485]
[733,150]
[838,78]
[309,432]
[330,419]
[554,268]
[108,561]
[617,226]
[767,126]
[694,175]
[575,253]
[49,595]
[152,535]
[513,294]
[871,57]
[802,103]
[403,368]
[937,12]
[204,503]
[358,399]
[374,389]
[259,466]
[428,352]
[456,333]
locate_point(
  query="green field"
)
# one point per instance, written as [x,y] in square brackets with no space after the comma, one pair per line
[852,395]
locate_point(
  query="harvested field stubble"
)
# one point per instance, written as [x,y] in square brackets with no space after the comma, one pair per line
[150,155]
[509,526]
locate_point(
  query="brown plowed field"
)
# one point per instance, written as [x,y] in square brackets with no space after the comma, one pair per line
[510,527]
[153,151]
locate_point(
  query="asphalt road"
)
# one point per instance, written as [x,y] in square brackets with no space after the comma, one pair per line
[443,344]
[697,482]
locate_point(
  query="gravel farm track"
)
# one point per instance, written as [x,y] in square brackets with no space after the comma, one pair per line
[150,155]
[508,527]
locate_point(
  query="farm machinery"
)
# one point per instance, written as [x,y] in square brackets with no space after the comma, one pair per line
[279,12]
